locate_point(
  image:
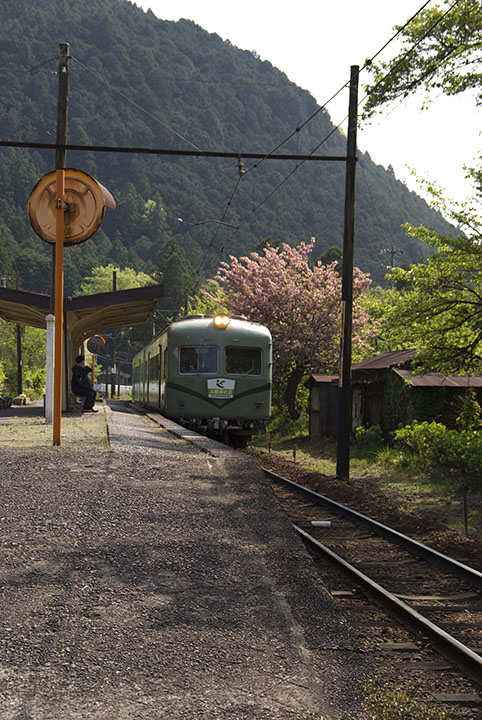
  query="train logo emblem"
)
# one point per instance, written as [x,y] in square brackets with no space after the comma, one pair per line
[221,388]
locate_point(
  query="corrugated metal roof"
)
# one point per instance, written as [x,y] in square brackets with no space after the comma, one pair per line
[385,360]
[435,379]
[322,379]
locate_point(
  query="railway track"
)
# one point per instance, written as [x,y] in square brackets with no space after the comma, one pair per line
[417,611]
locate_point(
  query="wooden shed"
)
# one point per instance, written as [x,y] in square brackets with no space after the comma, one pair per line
[385,392]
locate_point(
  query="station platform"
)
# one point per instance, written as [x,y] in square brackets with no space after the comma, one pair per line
[159,578]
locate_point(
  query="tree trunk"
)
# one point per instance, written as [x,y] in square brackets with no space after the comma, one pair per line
[290,391]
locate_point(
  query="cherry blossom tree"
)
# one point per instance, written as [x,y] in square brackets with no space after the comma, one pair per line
[300,304]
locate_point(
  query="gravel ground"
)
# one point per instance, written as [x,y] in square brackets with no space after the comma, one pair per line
[137,582]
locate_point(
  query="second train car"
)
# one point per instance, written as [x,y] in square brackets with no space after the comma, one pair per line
[212,374]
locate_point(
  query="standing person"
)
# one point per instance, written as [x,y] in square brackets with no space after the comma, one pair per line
[82,385]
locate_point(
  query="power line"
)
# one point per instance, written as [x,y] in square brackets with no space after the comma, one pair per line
[136,104]
[15,74]
[367,64]
[314,114]
[411,49]
[345,85]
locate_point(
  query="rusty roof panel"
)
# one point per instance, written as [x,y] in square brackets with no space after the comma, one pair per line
[435,379]
[385,360]
[313,379]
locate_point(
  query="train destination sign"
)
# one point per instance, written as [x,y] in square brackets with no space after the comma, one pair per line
[221,388]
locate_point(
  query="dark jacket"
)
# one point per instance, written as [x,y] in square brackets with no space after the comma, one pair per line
[80,379]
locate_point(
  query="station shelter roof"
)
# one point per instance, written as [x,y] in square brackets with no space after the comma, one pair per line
[87,314]
[84,316]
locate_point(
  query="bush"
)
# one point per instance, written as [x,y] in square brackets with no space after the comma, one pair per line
[34,382]
[460,453]
[3,377]
[369,436]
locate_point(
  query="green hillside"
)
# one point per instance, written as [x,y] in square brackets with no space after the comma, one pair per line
[139,81]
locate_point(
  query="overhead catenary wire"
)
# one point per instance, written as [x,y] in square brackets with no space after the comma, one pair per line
[269,155]
[366,64]
[14,73]
[136,104]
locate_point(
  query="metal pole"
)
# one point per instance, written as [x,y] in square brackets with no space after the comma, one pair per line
[58,287]
[49,381]
[19,352]
[112,374]
[344,392]
[19,360]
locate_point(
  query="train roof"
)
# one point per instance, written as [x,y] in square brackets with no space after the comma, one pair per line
[205,323]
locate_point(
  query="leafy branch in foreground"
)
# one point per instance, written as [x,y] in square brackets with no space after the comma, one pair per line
[440,51]
[439,310]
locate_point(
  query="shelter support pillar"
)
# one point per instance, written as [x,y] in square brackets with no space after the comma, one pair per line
[49,380]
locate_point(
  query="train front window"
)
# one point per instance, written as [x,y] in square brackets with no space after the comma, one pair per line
[197,359]
[243,361]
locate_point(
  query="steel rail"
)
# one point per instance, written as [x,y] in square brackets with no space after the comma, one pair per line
[449,646]
[466,573]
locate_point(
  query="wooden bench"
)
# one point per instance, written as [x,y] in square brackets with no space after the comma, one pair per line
[76,402]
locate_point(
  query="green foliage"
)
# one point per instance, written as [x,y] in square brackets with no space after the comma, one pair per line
[209,300]
[440,52]
[33,359]
[470,416]
[369,437]
[459,453]
[33,382]
[379,303]
[173,85]
[444,53]
[440,312]
[333,254]
[101,279]
[177,275]
[2,377]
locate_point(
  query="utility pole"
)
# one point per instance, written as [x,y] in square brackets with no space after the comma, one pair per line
[57,292]
[60,155]
[344,391]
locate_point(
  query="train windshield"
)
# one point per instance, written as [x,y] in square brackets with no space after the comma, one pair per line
[243,361]
[198,360]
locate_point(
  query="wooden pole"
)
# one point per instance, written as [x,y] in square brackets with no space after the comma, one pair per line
[344,392]
[58,260]
[59,306]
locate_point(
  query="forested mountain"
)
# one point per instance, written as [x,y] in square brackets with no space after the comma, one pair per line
[141,82]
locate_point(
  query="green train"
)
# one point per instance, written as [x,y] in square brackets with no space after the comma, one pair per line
[212,374]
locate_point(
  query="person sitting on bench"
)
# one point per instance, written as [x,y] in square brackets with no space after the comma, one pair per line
[81,384]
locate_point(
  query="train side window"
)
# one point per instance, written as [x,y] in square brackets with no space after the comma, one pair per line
[243,361]
[196,359]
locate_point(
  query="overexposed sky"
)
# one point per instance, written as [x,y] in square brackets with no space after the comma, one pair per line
[315,42]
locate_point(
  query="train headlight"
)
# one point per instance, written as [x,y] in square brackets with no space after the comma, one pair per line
[221,321]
